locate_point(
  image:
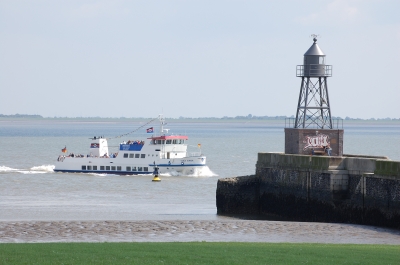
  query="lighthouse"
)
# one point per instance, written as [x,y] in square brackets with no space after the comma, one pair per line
[313,131]
[313,108]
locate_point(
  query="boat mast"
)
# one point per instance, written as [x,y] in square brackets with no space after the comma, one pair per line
[162,122]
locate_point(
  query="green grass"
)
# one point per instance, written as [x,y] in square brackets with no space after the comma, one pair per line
[197,253]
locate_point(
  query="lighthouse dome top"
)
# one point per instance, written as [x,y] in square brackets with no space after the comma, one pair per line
[314,50]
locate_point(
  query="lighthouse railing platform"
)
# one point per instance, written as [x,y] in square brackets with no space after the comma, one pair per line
[314,70]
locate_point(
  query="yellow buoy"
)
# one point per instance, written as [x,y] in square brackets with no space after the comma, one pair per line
[156,178]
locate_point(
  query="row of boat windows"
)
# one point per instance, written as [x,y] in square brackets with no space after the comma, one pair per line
[175,141]
[115,168]
[126,155]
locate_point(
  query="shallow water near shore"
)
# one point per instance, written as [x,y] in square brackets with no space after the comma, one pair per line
[30,190]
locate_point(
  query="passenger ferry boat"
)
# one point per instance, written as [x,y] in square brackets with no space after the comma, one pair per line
[166,151]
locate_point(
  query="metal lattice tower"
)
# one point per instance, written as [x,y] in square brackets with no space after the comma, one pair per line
[313,108]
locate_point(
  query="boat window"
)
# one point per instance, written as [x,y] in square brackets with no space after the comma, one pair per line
[125,155]
[140,168]
[158,141]
[133,168]
[112,167]
[146,169]
[142,155]
[163,141]
[94,167]
[130,155]
[101,167]
[119,168]
[83,167]
[137,155]
[175,141]
[89,167]
[107,167]
[153,142]
[168,141]
[128,168]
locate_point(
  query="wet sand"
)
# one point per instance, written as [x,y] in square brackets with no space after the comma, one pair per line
[188,231]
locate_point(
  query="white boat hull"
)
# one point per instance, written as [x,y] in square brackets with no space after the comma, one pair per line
[185,165]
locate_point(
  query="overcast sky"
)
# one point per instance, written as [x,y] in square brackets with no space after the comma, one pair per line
[195,58]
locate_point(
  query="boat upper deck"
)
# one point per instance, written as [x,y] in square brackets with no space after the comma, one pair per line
[169,137]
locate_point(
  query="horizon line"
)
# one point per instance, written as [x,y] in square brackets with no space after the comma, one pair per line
[247,117]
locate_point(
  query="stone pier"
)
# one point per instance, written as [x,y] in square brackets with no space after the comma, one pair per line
[348,189]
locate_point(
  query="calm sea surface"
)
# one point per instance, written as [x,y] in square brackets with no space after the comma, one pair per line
[30,190]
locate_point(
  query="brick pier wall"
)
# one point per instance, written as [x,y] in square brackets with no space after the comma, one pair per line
[316,188]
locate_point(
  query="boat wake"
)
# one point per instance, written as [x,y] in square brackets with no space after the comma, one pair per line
[195,173]
[45,168]
[33,170]
[98,174]
[7,169]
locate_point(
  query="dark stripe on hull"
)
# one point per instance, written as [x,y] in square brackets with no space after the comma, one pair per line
[104,172]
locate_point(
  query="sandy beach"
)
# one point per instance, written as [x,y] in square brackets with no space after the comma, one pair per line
[186,231]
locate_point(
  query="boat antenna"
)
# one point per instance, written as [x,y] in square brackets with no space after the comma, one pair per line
[162,123]
[119,136]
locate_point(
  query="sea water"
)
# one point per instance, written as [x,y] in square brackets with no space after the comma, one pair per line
[31,190]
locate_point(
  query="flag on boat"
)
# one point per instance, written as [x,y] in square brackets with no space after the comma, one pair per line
[199,145]
[149,130]
[64,150]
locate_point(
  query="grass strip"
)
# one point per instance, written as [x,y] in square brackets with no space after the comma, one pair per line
[197,253]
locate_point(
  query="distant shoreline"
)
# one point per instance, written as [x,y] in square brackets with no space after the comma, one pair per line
[27,117]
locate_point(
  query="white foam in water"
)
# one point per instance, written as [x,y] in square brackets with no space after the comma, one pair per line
[37,170]
[203,172]
[30,172]
[171,174]
[98,174]
[197,172]
[45,168]
[7,169]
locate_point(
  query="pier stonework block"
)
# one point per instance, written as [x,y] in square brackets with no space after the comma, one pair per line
[303,141]
[237,195]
